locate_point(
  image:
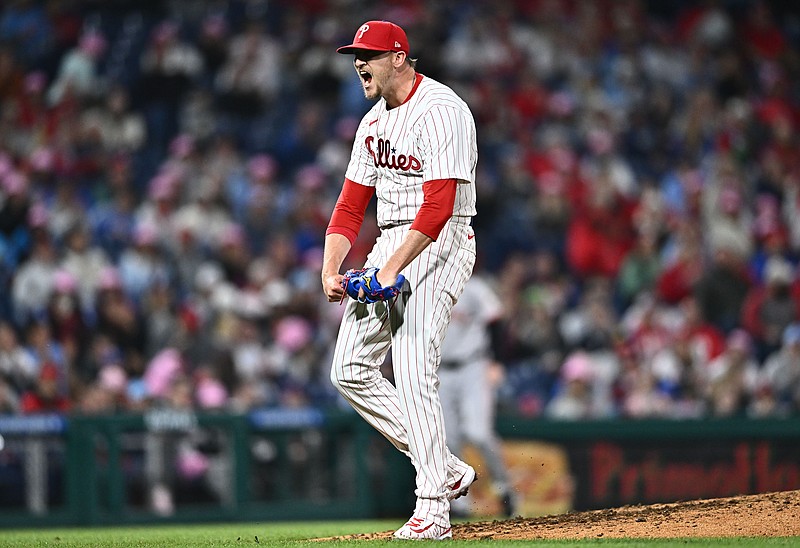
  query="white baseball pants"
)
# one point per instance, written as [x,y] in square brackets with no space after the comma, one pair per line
[410,415]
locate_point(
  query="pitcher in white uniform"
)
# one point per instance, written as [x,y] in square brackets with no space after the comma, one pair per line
[416,150]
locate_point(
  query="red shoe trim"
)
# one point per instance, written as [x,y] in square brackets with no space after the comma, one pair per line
[419,531]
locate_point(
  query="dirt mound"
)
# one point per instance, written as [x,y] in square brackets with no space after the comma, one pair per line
[767,515]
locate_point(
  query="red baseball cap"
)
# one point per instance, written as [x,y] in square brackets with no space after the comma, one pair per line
[378,36]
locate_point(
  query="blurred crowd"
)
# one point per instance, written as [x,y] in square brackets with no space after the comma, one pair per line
[167,171]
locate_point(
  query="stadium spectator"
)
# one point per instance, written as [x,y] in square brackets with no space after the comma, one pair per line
[118,319]
[205,218]
[732,378]
[67,319]
[33,283]
[676,370]
[14,213]
[639,269]
[9,398]
[84,261]
[142,266]
[46,396]
[251,77]
[781,373]
[768,309]
[573,399]
[639,388]
[18,368]
[169,67]
[34,121]
[114,125]
[213,44]
[47,352]
[78,78]
[683,263]
[723,287]
[602,232]
[65,207]
[705,339]
[112,220]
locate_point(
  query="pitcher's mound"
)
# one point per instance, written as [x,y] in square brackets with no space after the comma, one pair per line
[767,515]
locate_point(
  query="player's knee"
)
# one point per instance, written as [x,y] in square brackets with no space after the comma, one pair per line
[354,377]
[335,378]
[341,380]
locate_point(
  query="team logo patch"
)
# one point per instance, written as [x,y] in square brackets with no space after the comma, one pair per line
[364,28]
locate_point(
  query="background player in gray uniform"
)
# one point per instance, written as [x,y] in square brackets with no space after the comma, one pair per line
[469,374]
[416,151]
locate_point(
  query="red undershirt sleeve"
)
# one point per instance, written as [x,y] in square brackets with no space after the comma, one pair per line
[348,214]
[437,206]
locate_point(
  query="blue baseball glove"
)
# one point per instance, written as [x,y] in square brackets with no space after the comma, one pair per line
[367,279]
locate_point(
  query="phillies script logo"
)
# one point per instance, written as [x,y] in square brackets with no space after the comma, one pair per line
[385,156]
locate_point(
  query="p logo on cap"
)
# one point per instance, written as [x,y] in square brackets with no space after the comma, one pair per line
[378,36]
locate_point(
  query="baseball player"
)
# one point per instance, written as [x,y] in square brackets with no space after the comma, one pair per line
[415,150]
[468,383]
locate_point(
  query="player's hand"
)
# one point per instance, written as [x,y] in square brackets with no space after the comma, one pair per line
[332,286]
[386,278]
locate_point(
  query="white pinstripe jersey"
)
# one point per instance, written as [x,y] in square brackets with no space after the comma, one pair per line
[430,136]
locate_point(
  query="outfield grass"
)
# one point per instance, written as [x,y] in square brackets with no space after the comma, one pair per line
[296,535]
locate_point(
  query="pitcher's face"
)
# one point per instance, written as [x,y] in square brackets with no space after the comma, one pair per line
[375,70]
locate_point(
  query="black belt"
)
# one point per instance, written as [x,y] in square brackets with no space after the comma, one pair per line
[394,224]
[457,219]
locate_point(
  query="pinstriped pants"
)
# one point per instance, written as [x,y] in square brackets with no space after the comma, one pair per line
[410,415]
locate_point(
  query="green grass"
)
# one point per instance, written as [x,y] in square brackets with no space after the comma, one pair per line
[296,535]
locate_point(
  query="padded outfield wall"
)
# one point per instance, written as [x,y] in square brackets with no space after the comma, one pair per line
[306,464]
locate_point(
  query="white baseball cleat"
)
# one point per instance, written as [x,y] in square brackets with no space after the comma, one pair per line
[423,529]
[461,487]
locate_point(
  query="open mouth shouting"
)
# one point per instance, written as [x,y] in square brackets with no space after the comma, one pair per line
[366,77]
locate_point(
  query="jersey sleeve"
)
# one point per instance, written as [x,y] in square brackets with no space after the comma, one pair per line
[361,168]
[348,214]
[448,144]
[436,208]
